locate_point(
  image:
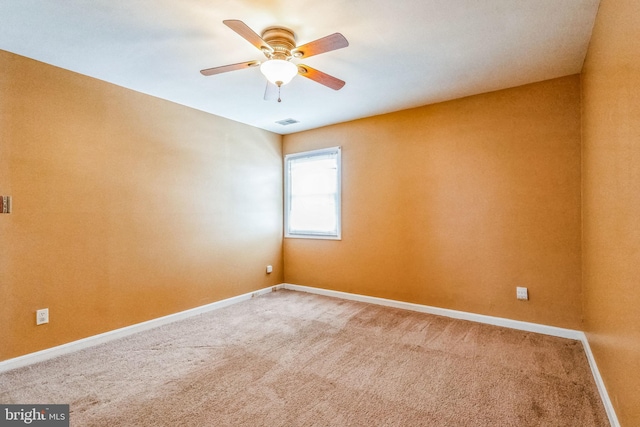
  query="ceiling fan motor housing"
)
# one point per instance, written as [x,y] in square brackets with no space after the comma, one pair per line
[282,40]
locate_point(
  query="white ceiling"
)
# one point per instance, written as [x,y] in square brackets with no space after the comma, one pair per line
[401,54]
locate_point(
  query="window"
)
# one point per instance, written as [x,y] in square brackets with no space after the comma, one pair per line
[312,194]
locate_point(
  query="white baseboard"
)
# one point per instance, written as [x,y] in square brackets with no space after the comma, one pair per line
[608,406]
[60,350]
[480,318]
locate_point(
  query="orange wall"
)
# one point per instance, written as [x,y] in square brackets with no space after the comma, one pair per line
[611,202]
[126,207]
[455,204]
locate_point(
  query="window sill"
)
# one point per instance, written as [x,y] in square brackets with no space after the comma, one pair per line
[311,236]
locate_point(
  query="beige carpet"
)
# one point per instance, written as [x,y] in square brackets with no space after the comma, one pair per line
[296,359]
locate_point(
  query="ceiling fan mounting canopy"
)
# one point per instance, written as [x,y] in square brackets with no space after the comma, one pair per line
[278,44]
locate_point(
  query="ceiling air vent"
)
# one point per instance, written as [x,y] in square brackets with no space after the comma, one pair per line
[287,122]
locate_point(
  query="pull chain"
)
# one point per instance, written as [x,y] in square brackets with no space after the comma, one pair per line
[279,86]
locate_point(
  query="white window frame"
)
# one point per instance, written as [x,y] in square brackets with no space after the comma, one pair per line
[287,195]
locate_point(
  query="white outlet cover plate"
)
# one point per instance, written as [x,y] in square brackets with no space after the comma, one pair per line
[42,316]
[522,293]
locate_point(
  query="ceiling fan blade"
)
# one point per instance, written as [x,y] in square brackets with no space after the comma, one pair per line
[248,34]
[270,92]
[231,67]
[325,44]
[320,77]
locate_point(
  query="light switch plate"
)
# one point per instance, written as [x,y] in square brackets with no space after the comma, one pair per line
[6,204]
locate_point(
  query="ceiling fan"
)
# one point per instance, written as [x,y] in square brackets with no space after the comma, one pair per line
[278,44]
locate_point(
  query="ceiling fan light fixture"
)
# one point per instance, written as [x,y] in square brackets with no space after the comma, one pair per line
[278,71]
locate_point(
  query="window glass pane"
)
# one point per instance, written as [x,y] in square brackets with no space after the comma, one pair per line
[313,214]
[313,178]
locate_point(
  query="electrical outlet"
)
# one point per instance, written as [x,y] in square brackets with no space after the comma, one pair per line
[522,293]
[42,316]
